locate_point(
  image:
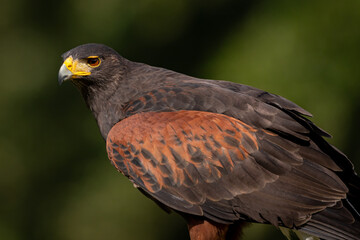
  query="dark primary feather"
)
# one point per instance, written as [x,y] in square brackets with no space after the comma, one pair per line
[221,150]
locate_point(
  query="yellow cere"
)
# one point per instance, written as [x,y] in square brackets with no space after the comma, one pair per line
[76,67]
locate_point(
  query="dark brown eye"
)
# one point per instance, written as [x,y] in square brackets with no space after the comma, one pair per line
[93,62]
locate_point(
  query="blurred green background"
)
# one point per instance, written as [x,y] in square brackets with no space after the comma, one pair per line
[55,179]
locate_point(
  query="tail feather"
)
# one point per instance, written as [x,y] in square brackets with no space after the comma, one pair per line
[334,223]
[354,194]
[341,221]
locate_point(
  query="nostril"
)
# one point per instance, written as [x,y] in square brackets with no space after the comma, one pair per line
[69,63]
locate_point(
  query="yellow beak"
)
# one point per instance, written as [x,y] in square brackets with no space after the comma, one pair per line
[71,69]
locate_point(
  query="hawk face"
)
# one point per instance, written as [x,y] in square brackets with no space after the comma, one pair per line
[89,64]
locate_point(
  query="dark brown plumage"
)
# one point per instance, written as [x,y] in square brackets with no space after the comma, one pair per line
[218,153]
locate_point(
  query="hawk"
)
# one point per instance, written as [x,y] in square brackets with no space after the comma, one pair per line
[216,152]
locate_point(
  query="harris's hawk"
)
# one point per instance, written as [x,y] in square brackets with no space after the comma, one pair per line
[216,152]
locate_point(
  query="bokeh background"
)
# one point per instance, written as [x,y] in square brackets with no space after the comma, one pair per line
[55,179]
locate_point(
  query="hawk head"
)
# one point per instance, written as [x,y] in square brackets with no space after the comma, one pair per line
[90,64]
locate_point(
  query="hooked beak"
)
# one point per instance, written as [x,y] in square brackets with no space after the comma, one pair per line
[64,74]
[71,69]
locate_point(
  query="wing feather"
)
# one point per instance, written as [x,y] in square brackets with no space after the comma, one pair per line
[214,165]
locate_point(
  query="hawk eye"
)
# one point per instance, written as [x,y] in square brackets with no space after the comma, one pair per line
[93,61]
